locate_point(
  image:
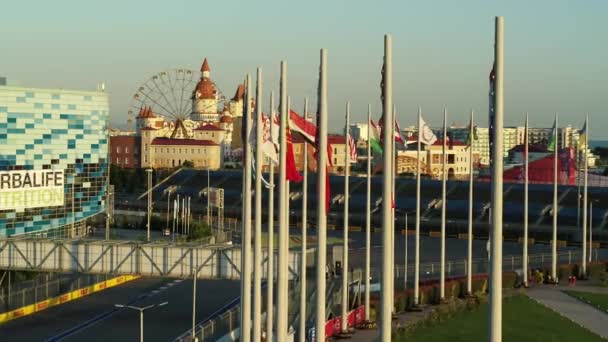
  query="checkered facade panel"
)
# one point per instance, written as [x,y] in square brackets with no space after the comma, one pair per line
[52,129]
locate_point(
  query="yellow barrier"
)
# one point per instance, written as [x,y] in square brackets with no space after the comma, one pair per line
[354,228]
[434,234]
[64,298]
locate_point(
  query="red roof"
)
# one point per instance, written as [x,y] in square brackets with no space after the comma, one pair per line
[439,142]
[145,113]
[205,88]
[240,92]
[205,66]
[148,128]
[335,139]
[208,127]
[187,142]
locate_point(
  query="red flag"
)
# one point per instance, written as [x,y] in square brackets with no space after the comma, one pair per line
[292,173]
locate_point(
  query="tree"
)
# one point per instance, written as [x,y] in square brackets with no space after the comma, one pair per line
[188,163]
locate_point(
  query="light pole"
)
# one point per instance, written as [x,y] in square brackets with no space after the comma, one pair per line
[168,208]
[141,315]
[149,172]
[590,229]
[208,200]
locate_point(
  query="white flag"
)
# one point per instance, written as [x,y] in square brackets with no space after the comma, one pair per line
[426,135]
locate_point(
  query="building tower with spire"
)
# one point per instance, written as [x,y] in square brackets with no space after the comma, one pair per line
[205,97]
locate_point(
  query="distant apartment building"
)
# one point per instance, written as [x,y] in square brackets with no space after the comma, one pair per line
[457,156]
[359,131]
[124,151]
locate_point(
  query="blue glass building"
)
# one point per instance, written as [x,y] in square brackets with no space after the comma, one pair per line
[53,158]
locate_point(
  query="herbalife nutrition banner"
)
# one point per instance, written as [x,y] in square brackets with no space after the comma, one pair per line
[31,189]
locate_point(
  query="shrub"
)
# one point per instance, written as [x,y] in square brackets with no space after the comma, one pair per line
[603,277]
[567,270]
[509,280]
[594,269]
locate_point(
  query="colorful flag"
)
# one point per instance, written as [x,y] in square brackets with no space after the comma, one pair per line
[303,126]
[474,137]
[398,136]
[352,148]
[374,139]
[551,144]
[292,173]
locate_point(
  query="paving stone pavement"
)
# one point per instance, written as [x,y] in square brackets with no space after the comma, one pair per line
[402,319]
[583,314]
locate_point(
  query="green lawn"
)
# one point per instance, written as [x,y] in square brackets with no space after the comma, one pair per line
[523,320]
[597,300]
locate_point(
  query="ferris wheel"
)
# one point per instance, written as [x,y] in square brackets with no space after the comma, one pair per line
[168,94]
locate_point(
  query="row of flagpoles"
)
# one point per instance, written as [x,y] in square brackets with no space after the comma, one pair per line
[272,139]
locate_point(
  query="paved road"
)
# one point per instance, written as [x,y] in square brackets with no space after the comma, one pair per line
[161,324]
[571,308]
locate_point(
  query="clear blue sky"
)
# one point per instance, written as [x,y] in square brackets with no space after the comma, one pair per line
[556,51]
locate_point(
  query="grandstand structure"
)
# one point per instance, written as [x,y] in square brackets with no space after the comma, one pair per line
[193,183]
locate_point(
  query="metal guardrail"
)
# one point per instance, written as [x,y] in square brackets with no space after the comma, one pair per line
[44,287]
[456,268]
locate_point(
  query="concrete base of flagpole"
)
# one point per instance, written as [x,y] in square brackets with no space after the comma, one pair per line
[416,308]
[345,335]
[367,325]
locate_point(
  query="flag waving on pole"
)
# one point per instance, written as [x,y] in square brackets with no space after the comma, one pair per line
[551,145]
[374,138]
[398,136]
[292,172]
[352,148]
[426,134]
[472,134]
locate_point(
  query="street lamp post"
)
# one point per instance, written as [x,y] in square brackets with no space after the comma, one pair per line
[149,172]
[141,315]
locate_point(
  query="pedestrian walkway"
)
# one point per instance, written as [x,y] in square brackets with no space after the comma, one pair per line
[402,320]
[583,314]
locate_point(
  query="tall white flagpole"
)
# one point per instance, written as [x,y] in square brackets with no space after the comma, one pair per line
[495,334]
[585,199]
[304,236]
[283,268]
[393,218]
[270,262]
[246,235]
[386,310]
[443,199]
[405,261]
[470,231]
[257,238]
[555,208]
[368,214]
[526,182]
[321,205]
[344,305]
[417,237]
[178,213]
